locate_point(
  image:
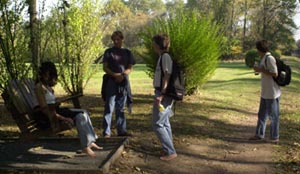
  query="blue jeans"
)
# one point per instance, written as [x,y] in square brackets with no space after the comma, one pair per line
[85,128]
[117,102]
[163,130]
[268,107]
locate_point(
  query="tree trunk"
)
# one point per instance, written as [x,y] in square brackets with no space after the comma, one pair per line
[76,103]
[245,24]
[265,13]
[34,36]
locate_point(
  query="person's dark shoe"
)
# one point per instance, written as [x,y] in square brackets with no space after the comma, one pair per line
[126,134]
[255,138]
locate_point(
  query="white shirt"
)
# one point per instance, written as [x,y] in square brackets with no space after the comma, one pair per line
[167,67]
[50,97]
[269,88]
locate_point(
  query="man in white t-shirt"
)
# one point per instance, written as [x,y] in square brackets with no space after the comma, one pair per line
[163,71]
[270,94]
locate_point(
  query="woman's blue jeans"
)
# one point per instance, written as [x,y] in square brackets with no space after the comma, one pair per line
[163,130]
[268,107]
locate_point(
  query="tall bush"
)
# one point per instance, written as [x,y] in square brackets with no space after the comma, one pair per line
[13,42]
[76,42]
[195,45]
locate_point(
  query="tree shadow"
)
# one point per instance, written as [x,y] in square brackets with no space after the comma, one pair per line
[185,123]
[61,155]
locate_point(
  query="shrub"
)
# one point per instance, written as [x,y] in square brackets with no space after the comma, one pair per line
[251,57]
[276,53]
[195,46]
[14,41]
[237,52]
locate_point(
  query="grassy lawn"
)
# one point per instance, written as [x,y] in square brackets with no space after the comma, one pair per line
[226,101]
[220,110]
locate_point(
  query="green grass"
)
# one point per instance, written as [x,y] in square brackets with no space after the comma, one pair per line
[221,109]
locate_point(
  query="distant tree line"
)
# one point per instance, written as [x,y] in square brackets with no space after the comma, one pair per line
[74,33]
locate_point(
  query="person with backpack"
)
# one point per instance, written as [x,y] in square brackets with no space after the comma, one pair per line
[162,127]
[270,94]
[117,64]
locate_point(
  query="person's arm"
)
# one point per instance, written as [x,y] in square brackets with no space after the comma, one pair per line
[40,95]
[265,71]
[49,110]
[131,62]
[271,65]
[53,113]
[128,70]
[117,76]
[165,82]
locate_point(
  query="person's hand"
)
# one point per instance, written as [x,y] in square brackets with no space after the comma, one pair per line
[69,121]
[119,78]
[159,99]
[257,69]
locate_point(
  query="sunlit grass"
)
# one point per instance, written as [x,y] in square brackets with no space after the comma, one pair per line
[226,106]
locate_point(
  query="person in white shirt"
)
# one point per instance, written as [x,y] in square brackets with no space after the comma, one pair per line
[161,44]
[270,94]
[47,109]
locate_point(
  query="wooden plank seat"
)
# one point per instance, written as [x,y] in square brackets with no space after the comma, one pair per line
[20,100]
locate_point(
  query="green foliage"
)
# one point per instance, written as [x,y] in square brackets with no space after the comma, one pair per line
[279,26]
[13,42]
[81,45]
[236,50]
[115,15]
[194,45]
[251,58]
[276,53]
[145,6]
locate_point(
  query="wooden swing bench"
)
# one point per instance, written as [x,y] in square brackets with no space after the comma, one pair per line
[20,100]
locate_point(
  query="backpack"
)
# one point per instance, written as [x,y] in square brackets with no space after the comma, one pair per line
[176,86]
[284,73]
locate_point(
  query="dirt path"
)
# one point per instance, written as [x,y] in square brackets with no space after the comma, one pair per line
[232,154]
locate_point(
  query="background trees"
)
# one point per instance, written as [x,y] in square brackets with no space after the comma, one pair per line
[195,46]
[245,21]
[13,42]
[75,32]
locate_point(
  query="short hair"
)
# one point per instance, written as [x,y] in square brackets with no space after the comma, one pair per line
[117,33]
[263,46]
[162,40]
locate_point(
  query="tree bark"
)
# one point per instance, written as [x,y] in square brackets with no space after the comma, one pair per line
[245,24]
[34,46]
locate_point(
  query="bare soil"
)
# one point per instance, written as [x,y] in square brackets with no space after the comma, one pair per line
[214,153]
[216,147]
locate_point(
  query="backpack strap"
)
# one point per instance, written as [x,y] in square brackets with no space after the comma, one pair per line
[266,62]
[161,69]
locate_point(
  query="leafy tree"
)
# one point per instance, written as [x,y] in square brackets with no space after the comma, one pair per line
[273,20]
[34,40]
[194,45]
[146,6]
[83,27]
[174,5]
[13,40]
[298,44]
[116,16]
[246,21]
[298,47]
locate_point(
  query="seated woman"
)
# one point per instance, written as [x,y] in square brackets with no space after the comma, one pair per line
[47,109]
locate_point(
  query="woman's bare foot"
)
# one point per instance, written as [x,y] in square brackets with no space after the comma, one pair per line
[168,157]
[94,145]
[89,152]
